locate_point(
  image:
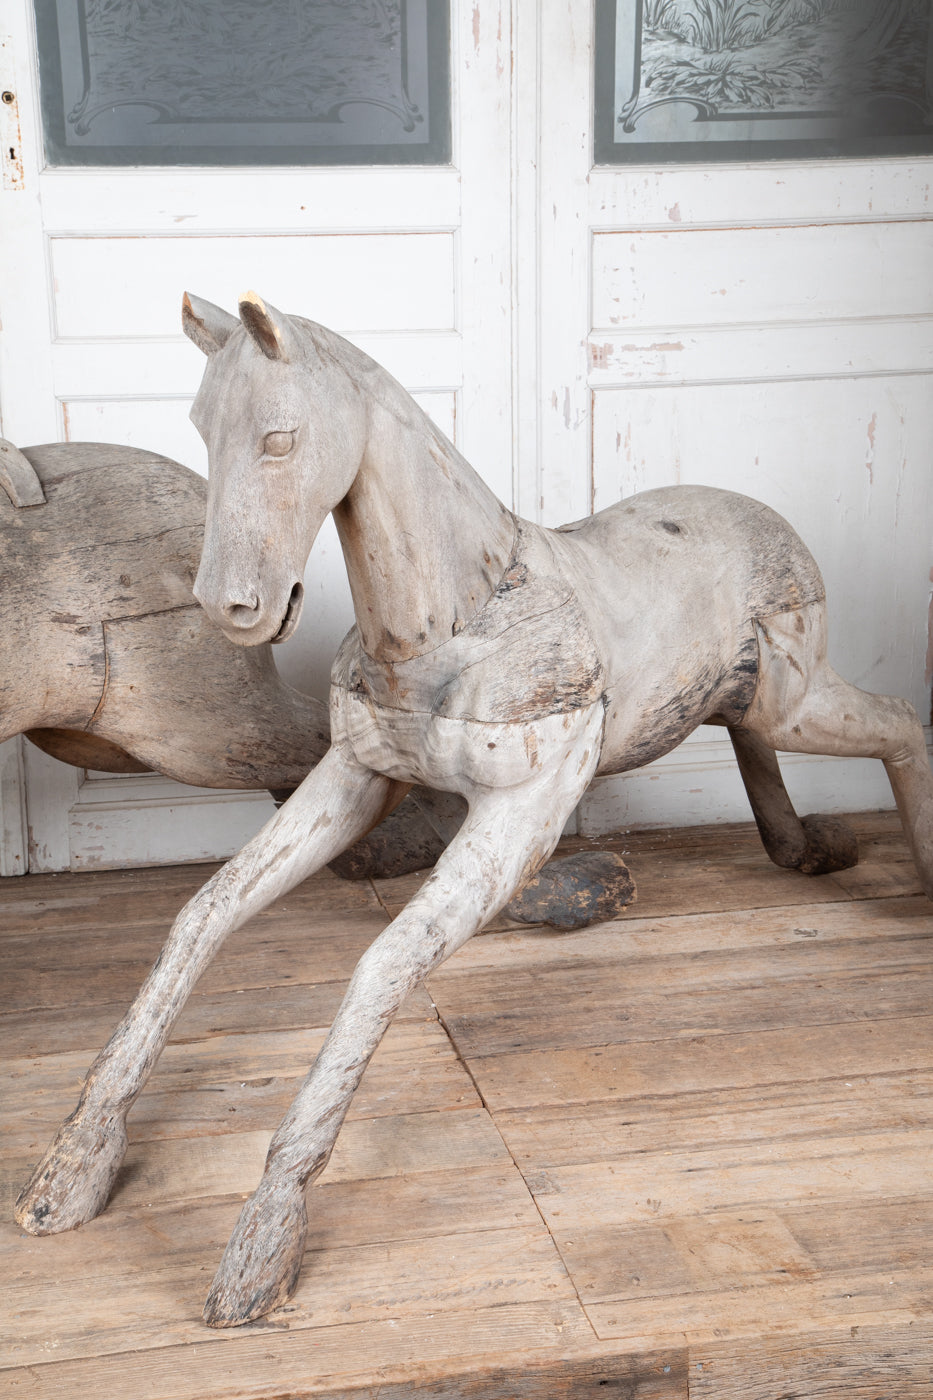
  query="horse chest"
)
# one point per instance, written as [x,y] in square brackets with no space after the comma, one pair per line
[459,754]
[527,653]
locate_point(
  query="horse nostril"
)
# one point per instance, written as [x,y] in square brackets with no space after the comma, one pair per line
[242,614]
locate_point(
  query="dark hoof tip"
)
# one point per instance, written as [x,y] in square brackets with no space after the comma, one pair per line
[831,845]
[32,1221]
[225,1310]
[575,891]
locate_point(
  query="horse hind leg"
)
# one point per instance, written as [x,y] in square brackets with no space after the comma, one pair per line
[814,845]
[803,706]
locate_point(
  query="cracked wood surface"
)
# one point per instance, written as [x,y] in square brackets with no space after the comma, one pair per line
[680,1156]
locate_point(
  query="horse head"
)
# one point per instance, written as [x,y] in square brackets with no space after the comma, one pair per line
[285,435]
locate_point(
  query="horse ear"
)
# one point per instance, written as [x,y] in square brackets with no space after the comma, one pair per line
[206,324]
[270,329]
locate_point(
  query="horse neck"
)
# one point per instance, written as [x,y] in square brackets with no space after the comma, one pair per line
[425,540]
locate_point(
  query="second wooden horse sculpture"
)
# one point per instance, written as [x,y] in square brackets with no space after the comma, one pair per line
[491,658]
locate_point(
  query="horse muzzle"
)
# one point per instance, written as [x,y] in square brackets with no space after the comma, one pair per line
[246,620]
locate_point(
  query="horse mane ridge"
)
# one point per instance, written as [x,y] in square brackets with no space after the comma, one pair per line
[357,364]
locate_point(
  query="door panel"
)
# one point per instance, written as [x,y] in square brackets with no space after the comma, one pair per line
[126,288]
[797,273]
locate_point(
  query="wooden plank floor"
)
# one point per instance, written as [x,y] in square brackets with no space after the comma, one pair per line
[685,1154]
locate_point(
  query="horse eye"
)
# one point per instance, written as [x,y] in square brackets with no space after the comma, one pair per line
[278,444]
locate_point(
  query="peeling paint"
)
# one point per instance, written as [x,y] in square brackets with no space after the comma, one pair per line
[11,145]
[674,214]
[660,347]
[870,460]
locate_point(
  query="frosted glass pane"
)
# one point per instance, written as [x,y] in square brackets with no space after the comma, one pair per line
[234,82]
[707,80]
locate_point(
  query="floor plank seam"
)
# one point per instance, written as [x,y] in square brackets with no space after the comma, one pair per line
[379,899]
[492,1118]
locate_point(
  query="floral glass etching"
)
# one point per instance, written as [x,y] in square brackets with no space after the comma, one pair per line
[236,82]
[741,79]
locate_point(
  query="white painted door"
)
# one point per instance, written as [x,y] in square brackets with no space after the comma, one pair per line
[764,327]
[411,262]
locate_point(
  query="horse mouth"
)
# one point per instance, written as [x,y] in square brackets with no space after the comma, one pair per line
[292,614]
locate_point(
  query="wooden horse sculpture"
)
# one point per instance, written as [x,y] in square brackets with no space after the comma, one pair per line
[491,658]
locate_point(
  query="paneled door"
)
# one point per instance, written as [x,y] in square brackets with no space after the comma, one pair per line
[760,325]
[348,159]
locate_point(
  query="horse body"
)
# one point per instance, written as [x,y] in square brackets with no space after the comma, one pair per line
[490,658]
[540,647]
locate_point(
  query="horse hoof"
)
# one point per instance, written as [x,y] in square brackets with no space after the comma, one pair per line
[575,891]
[831,845]
[73,1181]
[261,1264]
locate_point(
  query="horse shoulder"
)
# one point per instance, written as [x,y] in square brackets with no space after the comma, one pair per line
[528,652]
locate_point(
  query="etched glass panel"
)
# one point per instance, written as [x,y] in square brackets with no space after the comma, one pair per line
[238,82]
[701,80]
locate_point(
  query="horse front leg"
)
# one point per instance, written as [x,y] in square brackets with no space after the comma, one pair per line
[332,807]
[507,835]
